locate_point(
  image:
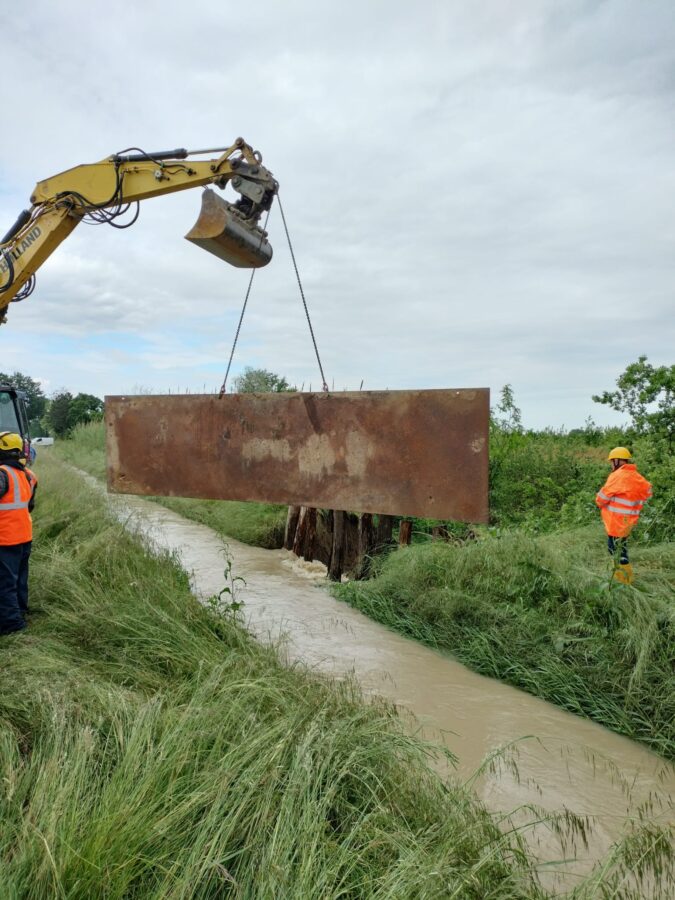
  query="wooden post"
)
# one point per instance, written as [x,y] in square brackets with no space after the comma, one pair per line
[405,532]
[291,526]
[310,535]
[299,537]
[385,527]
[440,533]
[365,544]
[337,551]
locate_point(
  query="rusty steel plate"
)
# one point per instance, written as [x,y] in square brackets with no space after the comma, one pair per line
[412,453]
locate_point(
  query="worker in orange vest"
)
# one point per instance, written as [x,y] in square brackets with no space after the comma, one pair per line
[17,496]
[621,499]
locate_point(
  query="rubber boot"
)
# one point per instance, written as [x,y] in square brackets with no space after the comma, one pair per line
[624,573]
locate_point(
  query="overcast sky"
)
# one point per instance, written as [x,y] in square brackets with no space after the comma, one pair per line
[479,192]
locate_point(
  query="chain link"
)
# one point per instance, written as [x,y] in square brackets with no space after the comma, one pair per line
[223,386]
[324,383]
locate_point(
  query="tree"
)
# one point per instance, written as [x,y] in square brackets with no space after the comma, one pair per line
[647,394]
[58,413]
[85,408]
[511,420]
[66,411]
[260,381]
[36,399]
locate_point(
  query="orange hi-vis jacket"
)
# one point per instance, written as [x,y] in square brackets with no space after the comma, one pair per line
[16,525]
[621,499]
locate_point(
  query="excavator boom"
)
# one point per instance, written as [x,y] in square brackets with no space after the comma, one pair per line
[103,191]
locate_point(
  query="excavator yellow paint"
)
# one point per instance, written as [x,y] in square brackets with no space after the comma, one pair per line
[220,230]
[61,202]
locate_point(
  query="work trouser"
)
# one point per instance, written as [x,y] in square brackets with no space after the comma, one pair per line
[14,586]
[618,545]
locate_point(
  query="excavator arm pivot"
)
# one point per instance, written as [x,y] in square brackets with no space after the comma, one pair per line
[103,191]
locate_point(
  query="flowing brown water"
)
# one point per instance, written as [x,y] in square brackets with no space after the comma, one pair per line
[563,762]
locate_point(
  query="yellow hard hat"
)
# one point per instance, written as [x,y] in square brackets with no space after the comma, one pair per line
[10,441]
[620,453]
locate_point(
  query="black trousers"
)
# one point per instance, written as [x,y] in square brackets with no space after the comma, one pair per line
[14,586]
[618,545]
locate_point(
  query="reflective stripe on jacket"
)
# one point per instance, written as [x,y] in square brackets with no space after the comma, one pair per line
[16,526]
[621,499]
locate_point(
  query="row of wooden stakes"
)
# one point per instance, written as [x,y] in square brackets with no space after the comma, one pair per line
[344,542]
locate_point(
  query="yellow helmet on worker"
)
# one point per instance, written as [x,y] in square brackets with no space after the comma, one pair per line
[10,441]
[620,453]
[12,448]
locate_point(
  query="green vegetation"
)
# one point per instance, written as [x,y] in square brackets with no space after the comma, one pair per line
[150,748]
[259,524]
[544,614]
[58,414]
[647,394]
[260,381]
[530,599]
[36,402]
[84,448]
[66,412]
[546,481]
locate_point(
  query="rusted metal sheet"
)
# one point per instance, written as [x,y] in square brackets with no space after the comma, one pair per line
[414,453]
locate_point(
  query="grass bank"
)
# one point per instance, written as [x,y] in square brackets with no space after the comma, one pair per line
[538,611]
[151,749]
[543,614]
[259,524]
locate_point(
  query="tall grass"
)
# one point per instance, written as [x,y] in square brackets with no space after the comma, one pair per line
[538,612]
[150,748]
[545,615]
[84,448]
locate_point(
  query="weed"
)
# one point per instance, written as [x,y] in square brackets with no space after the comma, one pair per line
[226,601]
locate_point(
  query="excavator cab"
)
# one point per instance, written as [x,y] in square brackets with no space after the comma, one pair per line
[224,229]
[13,415]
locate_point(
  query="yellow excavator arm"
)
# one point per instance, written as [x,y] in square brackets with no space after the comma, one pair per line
[104,191]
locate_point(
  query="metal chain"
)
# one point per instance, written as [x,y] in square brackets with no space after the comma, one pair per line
[223,386]
[302,294]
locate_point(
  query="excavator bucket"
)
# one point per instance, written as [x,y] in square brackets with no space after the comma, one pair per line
[221,230]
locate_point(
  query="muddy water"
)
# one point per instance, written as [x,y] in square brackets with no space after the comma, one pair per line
[562,761]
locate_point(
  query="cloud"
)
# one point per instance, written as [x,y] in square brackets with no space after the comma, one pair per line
[477,193]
